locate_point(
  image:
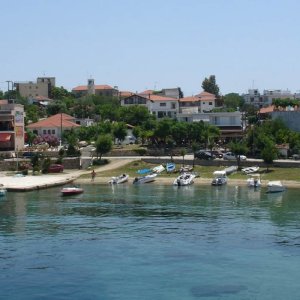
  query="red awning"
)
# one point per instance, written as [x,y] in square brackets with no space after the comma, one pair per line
[5,137]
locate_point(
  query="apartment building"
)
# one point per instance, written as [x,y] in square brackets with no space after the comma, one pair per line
[41,88]
[11,126]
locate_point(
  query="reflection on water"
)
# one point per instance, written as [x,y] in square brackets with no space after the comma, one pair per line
[153,242]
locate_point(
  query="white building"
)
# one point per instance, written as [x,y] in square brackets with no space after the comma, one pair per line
[159,106]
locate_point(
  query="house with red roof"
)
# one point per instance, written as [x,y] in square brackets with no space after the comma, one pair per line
[160,106]
[53,125]
[92,89]
[203,102]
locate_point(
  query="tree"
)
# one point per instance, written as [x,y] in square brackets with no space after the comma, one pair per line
[103,144]
[194,149]
[209,85]
[238,148]
[183,153]
[119,131]
[59,93]
[233,100]
[269,153]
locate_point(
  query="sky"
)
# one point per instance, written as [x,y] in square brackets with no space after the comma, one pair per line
[152,44]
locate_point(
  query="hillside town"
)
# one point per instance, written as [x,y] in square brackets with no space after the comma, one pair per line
[38,116]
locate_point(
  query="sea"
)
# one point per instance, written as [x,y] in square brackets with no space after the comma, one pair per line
[152,242]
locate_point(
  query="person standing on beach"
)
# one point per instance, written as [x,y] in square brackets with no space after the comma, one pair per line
[93,175]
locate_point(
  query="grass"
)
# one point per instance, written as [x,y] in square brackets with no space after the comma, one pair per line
[131,169]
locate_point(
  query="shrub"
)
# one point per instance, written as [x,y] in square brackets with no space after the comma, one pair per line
[141,151]
[100,162]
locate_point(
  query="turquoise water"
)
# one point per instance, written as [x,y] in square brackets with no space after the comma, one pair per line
[150,242]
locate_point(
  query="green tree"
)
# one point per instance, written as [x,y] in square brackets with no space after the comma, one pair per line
[119,131]
[103,145]
[183,153]
[233,100]
[269,153]
[238,148]
[209,85]
[59,93]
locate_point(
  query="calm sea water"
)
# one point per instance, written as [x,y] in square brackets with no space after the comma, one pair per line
[150,242]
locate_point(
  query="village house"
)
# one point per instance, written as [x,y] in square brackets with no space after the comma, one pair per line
[159,106]
[53,125]
[92,89]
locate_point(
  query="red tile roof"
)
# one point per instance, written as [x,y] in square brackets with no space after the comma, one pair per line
[147,92]
[97,87]
[266,110]
[125,94]
[57,120]
[160,98]
[203,96]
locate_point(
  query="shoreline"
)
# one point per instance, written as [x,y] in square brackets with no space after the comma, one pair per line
[198,181]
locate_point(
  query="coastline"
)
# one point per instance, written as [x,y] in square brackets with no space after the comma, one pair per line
[44,181]
[169,181]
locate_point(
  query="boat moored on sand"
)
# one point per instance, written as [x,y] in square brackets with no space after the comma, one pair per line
[144,179]
[184,179]
[119,179]
[254,180]
[220,178]
[275,187]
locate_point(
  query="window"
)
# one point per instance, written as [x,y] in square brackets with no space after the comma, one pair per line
[173,105]
[53,131]
[49,131]
[44,131]
[162,104]
[210,103]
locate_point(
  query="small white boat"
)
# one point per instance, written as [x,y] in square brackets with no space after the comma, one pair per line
[72,190]
[144,179]
[230,170]
[250,170]
[275,187]
[119,179]
[254,180]
[186,168]
[158,169]
[220,178]
[184,179]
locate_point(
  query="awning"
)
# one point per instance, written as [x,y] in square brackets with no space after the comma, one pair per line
[5,137]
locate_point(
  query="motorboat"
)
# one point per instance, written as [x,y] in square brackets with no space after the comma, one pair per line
[145,179]
[158,169]
[230,170]
[72,190]
[119,179]
[275,187]
[254,180]
[185,169]
[144,171]
[250,170]
[170,167]
[184,179]
[220,178]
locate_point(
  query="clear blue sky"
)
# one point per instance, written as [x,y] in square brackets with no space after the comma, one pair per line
[146,44]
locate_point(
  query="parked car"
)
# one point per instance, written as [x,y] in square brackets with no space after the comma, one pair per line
[56,168]
[217,154]
[204,155]
[232,156]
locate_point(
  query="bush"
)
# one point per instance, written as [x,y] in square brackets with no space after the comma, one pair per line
[141,151]
[100,162]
